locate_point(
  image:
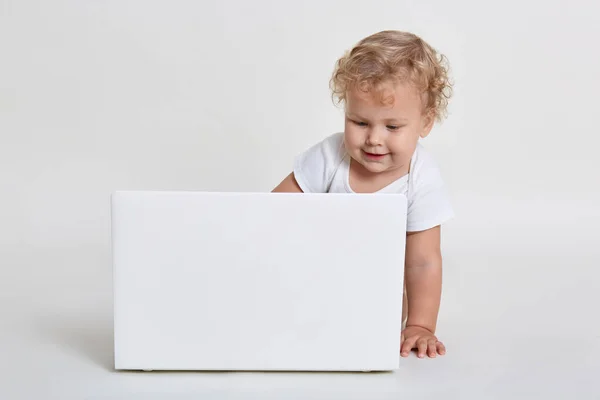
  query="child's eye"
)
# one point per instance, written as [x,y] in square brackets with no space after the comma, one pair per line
[360,123]
[394,127]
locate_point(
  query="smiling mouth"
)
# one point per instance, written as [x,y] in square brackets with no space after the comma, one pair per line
[373,155]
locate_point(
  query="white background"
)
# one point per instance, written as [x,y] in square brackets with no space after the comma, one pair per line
[221,95]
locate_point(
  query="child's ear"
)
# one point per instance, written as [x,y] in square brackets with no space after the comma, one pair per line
[428,121]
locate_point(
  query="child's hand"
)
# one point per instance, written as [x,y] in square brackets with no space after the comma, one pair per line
[416,337]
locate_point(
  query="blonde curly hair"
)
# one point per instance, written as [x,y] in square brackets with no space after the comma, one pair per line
[394,56]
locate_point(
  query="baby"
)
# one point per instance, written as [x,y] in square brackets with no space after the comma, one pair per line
[394,87]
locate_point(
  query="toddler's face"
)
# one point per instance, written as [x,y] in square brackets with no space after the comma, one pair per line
[383,137]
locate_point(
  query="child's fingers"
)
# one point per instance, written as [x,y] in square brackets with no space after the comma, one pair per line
[431,348]
[408,345]
[441,348]
[422,347]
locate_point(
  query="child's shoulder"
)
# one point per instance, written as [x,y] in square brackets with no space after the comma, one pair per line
[315,167]
[333,144]
[424,167]
[330,149]
[429,200]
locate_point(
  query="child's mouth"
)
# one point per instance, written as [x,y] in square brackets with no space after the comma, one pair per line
[373,156]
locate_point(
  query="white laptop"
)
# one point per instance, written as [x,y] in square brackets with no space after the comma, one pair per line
[257,281]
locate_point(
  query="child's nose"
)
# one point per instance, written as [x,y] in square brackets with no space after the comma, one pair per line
[374,137]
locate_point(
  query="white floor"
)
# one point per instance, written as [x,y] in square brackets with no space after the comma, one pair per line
[519,318]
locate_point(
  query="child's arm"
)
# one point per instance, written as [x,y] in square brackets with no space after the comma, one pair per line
[288,185]
[423,278]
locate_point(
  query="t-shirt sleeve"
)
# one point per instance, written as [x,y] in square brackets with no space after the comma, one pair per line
[429,204]
[315,167]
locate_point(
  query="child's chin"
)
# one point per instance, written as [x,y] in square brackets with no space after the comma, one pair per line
[374,167]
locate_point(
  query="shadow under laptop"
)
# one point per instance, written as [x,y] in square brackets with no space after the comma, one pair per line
[90,339]
[67,293]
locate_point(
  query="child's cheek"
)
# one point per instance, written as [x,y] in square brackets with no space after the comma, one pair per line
[352,138]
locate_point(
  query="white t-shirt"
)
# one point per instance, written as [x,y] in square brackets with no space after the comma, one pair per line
[325,167]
